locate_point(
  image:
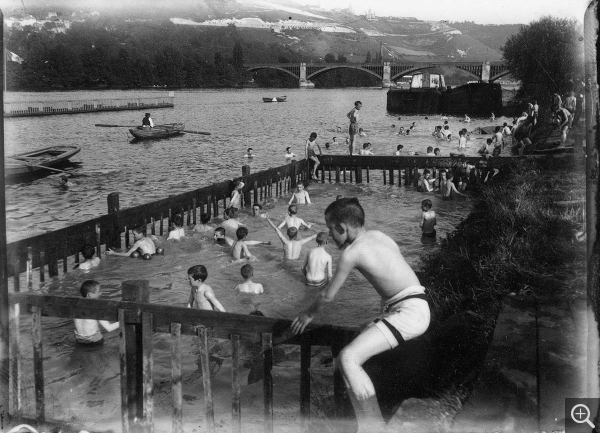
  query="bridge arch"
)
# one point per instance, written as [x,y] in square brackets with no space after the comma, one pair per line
[343,66]
[421,68]
[279,68]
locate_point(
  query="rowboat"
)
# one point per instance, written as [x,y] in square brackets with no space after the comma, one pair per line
[159,131]
[41,161]
[275,99]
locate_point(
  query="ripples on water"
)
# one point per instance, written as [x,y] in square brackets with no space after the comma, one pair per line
[143,172]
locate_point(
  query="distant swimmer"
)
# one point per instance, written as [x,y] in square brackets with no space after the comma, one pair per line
[444,118]
[249,153]
[493,117]
[467,119]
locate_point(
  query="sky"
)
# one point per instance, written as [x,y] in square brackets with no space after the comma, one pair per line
[479,11]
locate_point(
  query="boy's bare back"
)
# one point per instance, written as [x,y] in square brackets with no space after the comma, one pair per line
[318,265]
[378,258]
[250,287]
[199,297]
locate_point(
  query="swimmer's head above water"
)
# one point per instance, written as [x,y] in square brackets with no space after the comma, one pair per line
[341,215]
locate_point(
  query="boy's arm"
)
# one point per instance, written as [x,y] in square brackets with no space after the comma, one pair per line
[109,326]
[246,250]
[326,296]
[210,295]
[422,220]
[305,224]
[329,273]
[283,239]
[257,243]
[308,239]
[292,199]
[307,197]
[191,300]
[282,223]
[455,190]
[132,249]
[305,264]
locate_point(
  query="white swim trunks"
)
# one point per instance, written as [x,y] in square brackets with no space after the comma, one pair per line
[405,316]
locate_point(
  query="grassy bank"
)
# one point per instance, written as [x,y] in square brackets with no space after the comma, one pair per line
[518,241]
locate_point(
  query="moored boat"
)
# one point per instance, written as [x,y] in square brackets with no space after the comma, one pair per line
[40,161]
[275,99]
[159,131]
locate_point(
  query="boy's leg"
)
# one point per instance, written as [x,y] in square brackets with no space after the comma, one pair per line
[369,343]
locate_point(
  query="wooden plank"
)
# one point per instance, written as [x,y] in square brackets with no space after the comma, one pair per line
[391,171]
[305,349]
[123,373]
[41,268]
[52,262]
[236,385]
[384,177]
[16,265]
[29,275]
[337,174]
[152,226]
[16,361]
[38,364]
[222,324]
[98,240]
[267,351]
[65,257]
[147,365]
[368,179]
[205,364]
[194,210]
[176,377]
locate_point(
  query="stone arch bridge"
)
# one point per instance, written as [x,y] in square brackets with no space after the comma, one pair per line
[386,72]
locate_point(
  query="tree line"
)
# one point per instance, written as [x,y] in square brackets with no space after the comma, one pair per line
[98,54]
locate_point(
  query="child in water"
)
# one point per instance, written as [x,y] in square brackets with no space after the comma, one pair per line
[87,331]
[289,155]
[428,220]
[177,232]
[300,195]
[203,227]
[292,246]
[88,252]
[317,265]
[143,245]
[292,220]
[248,286]
[202,296]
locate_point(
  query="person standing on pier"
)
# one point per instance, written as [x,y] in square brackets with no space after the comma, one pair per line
[353,129]
[147,121]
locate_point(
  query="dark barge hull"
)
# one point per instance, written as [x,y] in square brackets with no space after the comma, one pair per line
[474,99]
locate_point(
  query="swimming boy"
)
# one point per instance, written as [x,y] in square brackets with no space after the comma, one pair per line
[230,222]
[398,149]
[428,220]
[221,238]
[405,309]
[353,128]
[177,232]
[202,296]
[289,155]
[249,153]
[87,331]
[449,189]
[300,195]
[317,266]
[88,252]
[142,244]
[366,150]
[426,183]
[248,286]
[292,220]
[292,246]
[239,248]
[485,149]
[203,226]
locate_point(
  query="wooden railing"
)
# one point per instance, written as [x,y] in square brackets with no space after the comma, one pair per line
[139,321]
[36,108]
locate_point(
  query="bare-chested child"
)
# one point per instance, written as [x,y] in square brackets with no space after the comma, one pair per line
[292,220]
[239,248]
[142,244]
[317,266]
[203,227]
[177,232]
[88,251]
[449,189]
[291,246]
[405,308]
[300,195]
[202,296]
[428,220]
[249,286]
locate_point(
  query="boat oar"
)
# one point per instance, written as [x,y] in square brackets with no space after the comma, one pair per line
[115,126]
[195,132]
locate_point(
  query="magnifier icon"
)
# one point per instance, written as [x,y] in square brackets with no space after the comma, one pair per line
[582,415]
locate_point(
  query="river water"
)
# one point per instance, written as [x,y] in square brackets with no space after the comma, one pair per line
[86,389]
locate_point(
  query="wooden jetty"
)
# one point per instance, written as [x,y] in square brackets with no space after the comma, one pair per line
[32,260]
[31,108]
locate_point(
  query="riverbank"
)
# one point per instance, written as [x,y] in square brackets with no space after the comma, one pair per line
[515,260]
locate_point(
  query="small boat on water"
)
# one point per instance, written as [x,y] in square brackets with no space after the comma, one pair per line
[275,99]
[159,131]
[41,161]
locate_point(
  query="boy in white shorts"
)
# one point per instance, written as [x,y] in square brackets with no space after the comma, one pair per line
[405,309]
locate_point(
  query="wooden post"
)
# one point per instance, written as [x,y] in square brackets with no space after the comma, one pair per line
[205,364]
[337,174]
[236,385]
[391,176]
[267,350]
[123,369]
[147,372]
[305,384]
[384,177]
[113,209]
[135,291]
[358,174]
[38,363]
[368,174]
[246,195]
[177,424]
